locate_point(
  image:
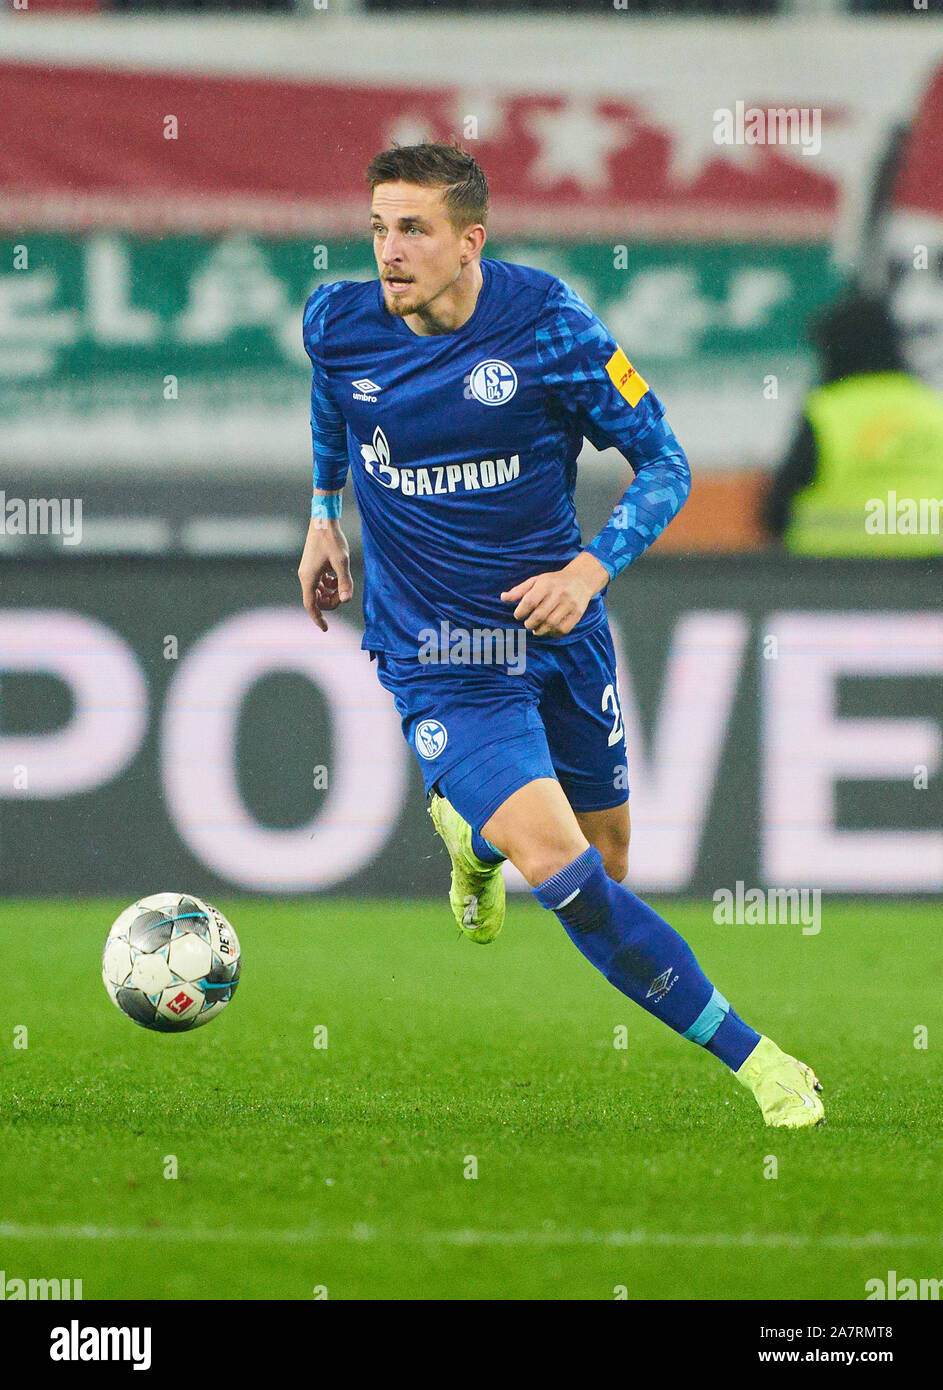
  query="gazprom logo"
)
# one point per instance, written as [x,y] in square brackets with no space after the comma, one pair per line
[493,382]
[376,459]
[439,478]
[431,738]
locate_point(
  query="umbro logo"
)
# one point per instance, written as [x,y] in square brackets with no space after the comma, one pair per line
[365,389]
[660,986]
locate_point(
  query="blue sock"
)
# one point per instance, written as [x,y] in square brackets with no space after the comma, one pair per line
[643,957]
[485,849]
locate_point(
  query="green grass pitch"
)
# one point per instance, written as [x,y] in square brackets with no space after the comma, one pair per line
[348,1168]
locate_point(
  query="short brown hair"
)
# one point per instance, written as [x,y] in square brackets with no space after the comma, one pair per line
[429,165]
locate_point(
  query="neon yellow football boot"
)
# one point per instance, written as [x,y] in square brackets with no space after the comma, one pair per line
[786,1090]
[477,891]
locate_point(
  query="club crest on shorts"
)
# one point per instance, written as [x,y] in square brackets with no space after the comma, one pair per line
[431,738]
[493,382]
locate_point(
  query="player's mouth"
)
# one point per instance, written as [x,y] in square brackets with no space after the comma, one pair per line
[397,284]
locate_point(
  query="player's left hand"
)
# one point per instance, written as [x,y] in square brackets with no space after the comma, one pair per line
[551,604]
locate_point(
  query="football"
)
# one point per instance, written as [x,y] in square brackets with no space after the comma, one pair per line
[171,962]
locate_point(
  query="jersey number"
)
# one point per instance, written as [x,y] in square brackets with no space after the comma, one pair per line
[610,705]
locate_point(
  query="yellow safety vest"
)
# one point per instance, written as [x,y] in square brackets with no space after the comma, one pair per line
[878,488]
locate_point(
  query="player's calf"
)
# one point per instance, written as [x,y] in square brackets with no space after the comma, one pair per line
[633,947]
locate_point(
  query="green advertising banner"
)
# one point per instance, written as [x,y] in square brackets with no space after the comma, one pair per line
[183,724]
[126,348]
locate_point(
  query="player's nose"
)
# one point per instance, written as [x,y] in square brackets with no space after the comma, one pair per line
[392,252]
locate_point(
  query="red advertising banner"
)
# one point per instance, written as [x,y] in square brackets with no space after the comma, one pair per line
[96,146]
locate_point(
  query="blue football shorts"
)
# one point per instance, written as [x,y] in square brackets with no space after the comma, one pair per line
[480,732]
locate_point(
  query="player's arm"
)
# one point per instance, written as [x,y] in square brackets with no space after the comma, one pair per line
[590,379]
[324,570]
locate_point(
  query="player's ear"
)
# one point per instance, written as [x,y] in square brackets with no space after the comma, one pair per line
[475,238]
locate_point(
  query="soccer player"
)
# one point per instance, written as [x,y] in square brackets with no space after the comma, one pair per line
[459,389]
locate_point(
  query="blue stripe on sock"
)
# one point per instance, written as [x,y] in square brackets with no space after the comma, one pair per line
[484,849]
[708,1020]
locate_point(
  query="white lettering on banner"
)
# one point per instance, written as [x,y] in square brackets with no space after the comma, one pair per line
[673,782]
[109,699]
[671,787]
[112,316]
[235,288]
[807,749]
[368,775]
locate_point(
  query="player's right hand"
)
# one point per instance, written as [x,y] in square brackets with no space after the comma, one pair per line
[324,571]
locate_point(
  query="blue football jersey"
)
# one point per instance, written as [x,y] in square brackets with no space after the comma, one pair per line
[463,445]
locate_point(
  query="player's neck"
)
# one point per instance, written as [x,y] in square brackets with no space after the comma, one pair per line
[450,308]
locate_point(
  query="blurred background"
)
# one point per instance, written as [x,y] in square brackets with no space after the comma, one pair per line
[176,178]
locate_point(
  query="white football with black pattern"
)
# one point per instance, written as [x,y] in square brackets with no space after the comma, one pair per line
[171,962]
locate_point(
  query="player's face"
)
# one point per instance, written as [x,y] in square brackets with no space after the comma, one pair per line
[419,253]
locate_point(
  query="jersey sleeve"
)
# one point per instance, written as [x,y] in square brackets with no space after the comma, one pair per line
[590,379]
[588,375]
[328,428]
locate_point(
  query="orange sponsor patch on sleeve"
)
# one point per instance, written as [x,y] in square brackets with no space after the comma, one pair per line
[625,378]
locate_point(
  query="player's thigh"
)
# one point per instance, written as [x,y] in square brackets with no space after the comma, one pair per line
[609,831]
[476,732]
[537,829]
[582,716]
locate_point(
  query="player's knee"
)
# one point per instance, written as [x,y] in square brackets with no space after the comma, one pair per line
[540,862]
[614,848]
[539,854]
[615,861]
[608,832]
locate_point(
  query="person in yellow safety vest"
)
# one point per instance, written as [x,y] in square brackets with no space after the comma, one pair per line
[864,476]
